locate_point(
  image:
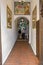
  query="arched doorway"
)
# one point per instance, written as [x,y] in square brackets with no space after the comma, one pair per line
[23,28]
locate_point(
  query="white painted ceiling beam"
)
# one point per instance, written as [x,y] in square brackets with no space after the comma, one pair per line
[23,0]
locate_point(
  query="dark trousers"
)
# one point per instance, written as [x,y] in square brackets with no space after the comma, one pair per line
[23,35]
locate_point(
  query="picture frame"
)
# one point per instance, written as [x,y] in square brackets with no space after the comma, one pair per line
[22,8]
[9,18]
[34,17]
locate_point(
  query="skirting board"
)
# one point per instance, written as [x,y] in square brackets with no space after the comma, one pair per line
[33,49]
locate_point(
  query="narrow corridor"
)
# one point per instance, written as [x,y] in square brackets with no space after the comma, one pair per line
[22,54]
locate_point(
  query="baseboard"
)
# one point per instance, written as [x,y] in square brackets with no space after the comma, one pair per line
[8,54]
[33,49]
[6,57]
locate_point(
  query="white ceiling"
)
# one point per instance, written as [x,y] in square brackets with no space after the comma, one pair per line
[23,0]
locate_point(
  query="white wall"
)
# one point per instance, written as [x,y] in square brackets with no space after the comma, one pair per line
[23,0]
[8,36]
[33,35]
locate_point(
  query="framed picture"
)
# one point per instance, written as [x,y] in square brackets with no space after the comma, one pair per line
[34,17]
[9,18]
[22,8]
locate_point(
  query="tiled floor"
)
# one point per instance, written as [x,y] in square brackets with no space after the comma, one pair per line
[22,54]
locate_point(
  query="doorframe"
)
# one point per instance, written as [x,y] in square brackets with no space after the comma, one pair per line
[18,18]
[37,40]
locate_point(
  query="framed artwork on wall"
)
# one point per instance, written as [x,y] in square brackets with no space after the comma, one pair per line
[22,8]
[9,17]
[34,17]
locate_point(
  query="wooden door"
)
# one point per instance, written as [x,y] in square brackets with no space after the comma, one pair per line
[37,38]
[41,32]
